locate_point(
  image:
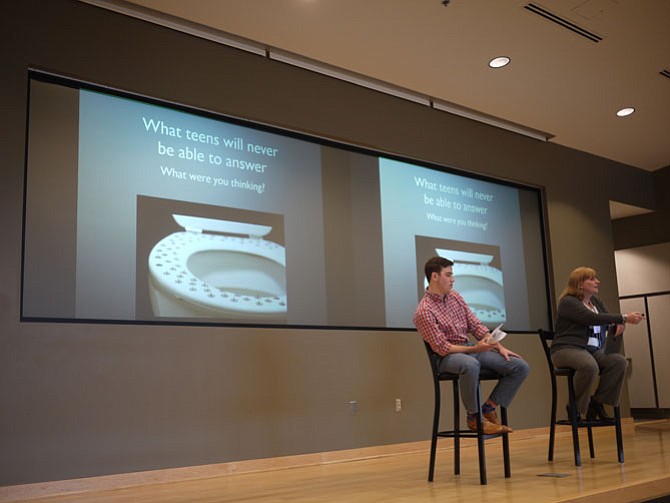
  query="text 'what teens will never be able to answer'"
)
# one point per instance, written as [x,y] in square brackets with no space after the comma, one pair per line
[195,153]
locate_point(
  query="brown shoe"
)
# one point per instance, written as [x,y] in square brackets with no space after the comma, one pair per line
[488,428]
[493,418]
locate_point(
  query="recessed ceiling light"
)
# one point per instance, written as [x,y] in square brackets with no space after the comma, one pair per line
[625,111]
[499,62]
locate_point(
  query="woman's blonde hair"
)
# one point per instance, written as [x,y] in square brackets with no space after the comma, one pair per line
[576,280]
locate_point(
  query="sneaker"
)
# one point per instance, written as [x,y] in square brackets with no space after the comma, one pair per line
[492,417]
[488,427]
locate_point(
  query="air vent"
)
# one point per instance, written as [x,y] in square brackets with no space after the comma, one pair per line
[665,73]
[550,16]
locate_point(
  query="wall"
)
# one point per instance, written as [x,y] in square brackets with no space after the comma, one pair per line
[643,270]
[642,255]
[91,399]
[644,285]
[649,228]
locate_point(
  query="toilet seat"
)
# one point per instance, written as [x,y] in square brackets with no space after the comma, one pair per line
[218,268]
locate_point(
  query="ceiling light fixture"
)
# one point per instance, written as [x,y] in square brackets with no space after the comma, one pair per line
[625,112]
[499,62]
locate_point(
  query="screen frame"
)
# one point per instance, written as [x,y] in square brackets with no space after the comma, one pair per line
[78,84]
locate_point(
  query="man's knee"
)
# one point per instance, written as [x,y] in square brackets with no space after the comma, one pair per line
[522,367]
[517,367]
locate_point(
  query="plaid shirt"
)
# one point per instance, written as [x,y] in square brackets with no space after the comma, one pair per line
[443,320]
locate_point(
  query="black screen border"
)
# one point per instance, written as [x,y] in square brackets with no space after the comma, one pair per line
[46,76]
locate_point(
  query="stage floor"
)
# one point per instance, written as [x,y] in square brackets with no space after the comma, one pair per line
[402,477]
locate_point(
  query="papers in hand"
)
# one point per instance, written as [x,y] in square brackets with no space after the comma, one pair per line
[497,335]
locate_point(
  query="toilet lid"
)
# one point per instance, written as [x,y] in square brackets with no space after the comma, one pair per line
[168,267]
[202,224]
[463,256]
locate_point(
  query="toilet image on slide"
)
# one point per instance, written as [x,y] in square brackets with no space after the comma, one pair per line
[479,283]
[218,268]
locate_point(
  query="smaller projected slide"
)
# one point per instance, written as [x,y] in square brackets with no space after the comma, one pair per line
[474,223]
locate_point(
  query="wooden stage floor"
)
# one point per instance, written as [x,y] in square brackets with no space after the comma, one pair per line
[401,476]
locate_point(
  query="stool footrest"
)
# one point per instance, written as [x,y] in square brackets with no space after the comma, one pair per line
[593,423]
[467,434]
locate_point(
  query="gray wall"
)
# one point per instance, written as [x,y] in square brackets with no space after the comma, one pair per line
[644,280]
[82,400]
[649,228]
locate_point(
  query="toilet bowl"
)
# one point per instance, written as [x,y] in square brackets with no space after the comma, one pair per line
[218,268]
[479,283]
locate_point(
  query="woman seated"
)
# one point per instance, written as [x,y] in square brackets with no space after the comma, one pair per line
[579,343]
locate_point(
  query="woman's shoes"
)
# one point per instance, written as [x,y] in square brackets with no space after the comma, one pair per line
[597,411]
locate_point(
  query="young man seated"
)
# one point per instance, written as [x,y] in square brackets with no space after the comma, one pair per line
[444,320]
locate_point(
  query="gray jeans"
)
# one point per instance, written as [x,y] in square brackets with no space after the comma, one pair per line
[467,365]
[587,365]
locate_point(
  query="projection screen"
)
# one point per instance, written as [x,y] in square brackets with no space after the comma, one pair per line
[144,211]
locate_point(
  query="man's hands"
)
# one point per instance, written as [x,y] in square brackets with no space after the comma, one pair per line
[506,353]
[496,346]
[483,346]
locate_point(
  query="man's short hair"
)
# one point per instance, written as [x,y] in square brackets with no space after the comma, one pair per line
[436,264]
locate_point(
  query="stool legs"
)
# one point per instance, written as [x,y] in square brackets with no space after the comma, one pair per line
[546,338]
[619,435]
[552,424]
[572,409]
[457,429]
[505,441]
[456,434]
[575,425]
[433,440]
[481,448]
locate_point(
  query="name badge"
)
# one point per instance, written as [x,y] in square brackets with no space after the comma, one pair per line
[593,341]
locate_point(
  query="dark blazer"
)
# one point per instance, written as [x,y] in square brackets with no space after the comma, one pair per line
[575,319]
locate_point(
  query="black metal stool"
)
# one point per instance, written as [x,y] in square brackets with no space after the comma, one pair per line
[547,338]
[457,433]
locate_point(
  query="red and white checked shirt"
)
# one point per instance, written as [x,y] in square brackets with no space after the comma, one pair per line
[443,320]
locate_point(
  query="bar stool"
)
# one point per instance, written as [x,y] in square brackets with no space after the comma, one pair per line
[457,433]
[547,337]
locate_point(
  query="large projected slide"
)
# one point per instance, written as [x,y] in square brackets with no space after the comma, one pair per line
[251,196]
[141,212]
